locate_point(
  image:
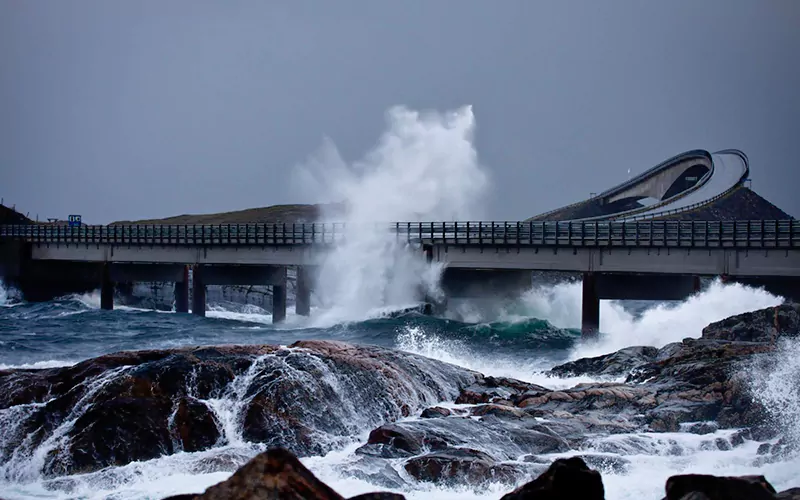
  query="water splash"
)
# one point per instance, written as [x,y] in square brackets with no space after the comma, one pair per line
[657,325]
[424,167]
[775,382]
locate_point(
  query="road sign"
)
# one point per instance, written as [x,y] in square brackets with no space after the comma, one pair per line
[74,221]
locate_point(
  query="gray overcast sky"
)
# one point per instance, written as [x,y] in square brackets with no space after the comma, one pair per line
[120,110]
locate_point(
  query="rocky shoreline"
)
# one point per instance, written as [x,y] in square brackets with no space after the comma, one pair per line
[464,428]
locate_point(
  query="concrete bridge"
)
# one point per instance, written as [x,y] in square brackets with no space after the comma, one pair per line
[659,260]
[679,184]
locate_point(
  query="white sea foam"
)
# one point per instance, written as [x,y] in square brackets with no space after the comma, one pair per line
[38,365]
[656,326]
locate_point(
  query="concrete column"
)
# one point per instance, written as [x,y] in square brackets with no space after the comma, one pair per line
[198,291]
[182,292]
[107,289]
[696,285]
[590,315]
[278,303]
[302,300]
[427,308]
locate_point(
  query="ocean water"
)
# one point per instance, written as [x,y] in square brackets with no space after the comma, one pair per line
[533,334]
[424,166]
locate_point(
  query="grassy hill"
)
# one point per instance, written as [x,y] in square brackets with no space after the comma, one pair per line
[274,213]
[10,216]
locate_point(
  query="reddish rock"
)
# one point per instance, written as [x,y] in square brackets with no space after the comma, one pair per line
[459,465]
[435,412]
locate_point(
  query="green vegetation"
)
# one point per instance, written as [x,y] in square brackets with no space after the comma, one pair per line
[275,213]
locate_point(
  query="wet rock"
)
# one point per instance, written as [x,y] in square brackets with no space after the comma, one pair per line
[507,440]
[132,406]
[374,471]
[790,494]
[499,411]
[459,465]
[739,437]
[435,412]
[614,364]
[765,325]
[397,441]
[195,426]
[496,390]
[702,428]
[719,488]
[566,478]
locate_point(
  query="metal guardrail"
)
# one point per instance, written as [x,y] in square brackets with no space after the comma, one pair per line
[685,234]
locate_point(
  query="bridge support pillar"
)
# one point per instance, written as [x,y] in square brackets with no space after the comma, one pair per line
[590,314]
[302,300]
[278,303]
[198,291]
[182,292]
[107,289]
[428,302]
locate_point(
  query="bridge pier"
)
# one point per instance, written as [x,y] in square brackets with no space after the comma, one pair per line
[182,292]
[278,303]
[198,291]
[107,289]
[302,301]
[590,313]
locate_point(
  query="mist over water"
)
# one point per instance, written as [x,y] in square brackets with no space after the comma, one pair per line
[423,167]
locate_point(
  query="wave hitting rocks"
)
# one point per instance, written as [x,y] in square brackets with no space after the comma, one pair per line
[313,397]
[277,474]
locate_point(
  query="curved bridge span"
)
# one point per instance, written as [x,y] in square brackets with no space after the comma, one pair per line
[684,182]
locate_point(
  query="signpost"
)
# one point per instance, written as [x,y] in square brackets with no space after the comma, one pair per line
[74,221]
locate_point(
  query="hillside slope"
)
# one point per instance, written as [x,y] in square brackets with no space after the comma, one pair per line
[274,213]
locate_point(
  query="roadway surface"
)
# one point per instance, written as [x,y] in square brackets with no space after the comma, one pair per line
[730,170]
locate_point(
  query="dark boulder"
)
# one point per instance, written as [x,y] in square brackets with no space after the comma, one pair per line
[566,478]
[719,488]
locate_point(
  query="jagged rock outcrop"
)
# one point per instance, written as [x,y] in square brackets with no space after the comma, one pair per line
[765,325]
[565,478]
[309,398]
[700,486]
[614,364]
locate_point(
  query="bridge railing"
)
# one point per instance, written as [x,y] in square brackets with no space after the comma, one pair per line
[690,234]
